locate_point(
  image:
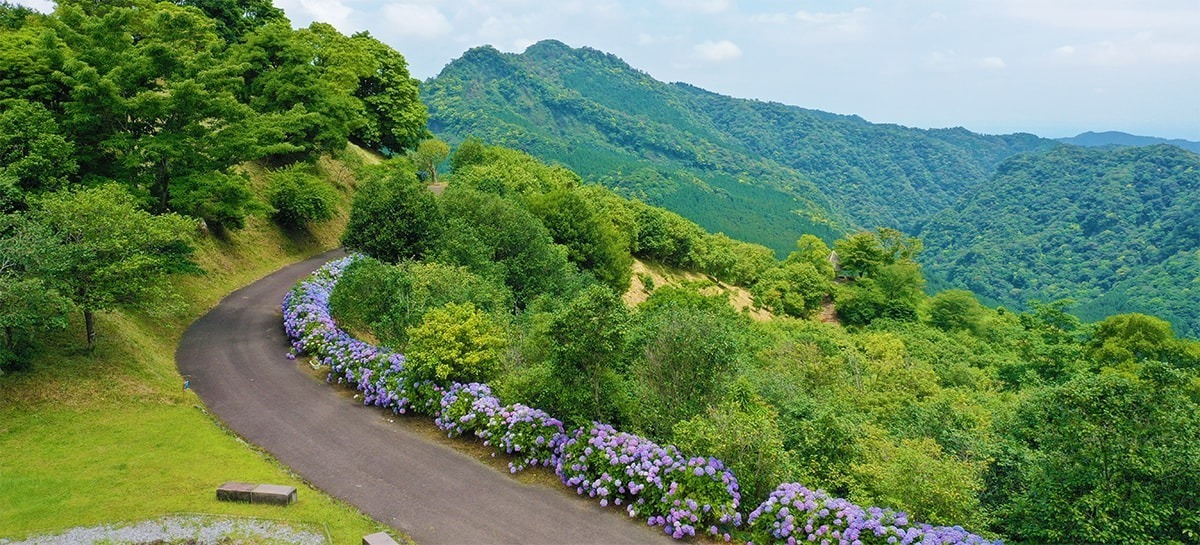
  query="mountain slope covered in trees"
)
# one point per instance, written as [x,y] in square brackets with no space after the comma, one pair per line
[758,171]
[767,172]
[1115,230]
[950,411]
[1117,138]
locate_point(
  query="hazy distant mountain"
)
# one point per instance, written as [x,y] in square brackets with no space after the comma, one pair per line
[758,171]
[1116,138]
[1118,230]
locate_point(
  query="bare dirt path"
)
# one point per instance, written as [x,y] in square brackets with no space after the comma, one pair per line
[235,359]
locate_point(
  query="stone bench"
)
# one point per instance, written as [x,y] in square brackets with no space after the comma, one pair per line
[257,493]
[379,539]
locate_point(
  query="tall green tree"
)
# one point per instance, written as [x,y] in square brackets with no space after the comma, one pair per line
[1109,458]
[28,305]
[792,288]
[684,351]
[733,261]
[1127,338]
[591,239]
[111,254]
[153,106]
[394,116]
[860,254]
[301,83]
[954,310]
[235,18]
[499,239]
[428,156]
[12,16]
[34,155]
[588,338]
[393,217]
[812,250]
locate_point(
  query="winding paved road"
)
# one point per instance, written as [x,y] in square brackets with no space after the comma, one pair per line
[235,359]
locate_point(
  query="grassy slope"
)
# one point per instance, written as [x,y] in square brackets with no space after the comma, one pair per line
[662,275]
[111,436]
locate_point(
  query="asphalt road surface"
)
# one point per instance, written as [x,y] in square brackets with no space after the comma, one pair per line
[235,357]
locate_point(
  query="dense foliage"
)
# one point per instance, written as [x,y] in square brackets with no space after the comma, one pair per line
[939,407]
[123,123]
[1014,231]
[761,172]
[682,494]
[1115,230]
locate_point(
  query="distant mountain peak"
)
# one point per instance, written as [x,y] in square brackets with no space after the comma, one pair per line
[550,49]
[548,46]
[762,171]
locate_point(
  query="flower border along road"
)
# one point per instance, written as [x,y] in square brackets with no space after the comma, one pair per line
[659,484]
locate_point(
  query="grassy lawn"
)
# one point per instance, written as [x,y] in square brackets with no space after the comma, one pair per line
[87,439]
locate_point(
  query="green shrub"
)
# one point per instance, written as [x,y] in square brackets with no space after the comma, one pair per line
[456,343]
[298,197]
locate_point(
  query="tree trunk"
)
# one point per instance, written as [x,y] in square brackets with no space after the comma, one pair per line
[89,324]
[164,186]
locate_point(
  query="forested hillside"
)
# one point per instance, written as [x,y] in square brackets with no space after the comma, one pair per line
[155,156]
[761,172]
[145,115]
[767,172]
[1115,138]
[503,295]
[1115,230]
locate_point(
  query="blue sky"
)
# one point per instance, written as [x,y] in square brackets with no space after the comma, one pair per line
[1051,67]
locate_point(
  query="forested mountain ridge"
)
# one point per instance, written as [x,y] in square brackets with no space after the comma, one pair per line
[1117,138]
[670,158]
[1117,230]
[763,172]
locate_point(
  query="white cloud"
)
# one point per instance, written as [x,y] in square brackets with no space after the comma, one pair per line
[950,61]
[835,26]
[603,10]
[1143,49]
[823,18]
[699,6]
[770,18]
[421,21]
[991,62]
[1104,14]
[333,12]
[521,44]
[654,39]
[1105,53]
[723,50]
[501,29]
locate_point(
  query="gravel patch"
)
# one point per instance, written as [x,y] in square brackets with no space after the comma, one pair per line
[182,530]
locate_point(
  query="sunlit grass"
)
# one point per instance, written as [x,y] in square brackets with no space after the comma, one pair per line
[66,467]
[111,436]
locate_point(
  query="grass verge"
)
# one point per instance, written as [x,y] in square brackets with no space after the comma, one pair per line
[111,436]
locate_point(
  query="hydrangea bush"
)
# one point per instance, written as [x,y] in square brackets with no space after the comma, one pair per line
[659,484]
[794,514]
[656,483]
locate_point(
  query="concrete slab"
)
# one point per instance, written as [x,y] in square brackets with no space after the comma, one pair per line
[235,491]
[273,494]
[379,539]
